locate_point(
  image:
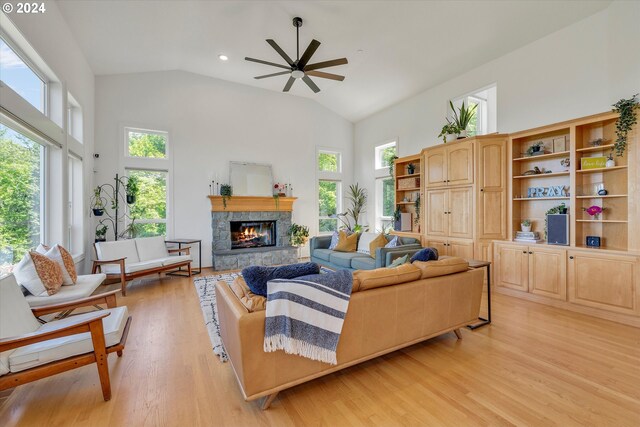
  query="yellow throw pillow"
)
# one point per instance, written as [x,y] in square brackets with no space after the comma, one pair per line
[347,243]
[376,243]
[49,272]
[249,300]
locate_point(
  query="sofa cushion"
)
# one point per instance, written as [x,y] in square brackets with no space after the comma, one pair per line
[251,301]
[257,276]
[347,242]
[378,242]
[118,249]
[133,267]
[441,267]
[393,243]
[151,248]
[343,259]
[174,259]
[399,261]
[363,263]
[322,254]
[16,317]
[371,279]
[364,241]
[425,254]
[85,285]
[60,348]
[334,240]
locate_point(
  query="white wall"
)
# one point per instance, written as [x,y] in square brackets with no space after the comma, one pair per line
[49,35]
[577,71]
[212,122]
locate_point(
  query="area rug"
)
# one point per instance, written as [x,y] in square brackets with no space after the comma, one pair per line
[206,289]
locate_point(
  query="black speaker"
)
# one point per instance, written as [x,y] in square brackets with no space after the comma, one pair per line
[558,229]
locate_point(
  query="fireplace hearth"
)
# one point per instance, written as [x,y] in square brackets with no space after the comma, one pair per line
[252,234]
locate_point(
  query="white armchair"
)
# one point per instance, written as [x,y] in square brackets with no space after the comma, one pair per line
[30,351]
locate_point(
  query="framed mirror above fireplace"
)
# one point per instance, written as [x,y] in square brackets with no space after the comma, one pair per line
[251,179]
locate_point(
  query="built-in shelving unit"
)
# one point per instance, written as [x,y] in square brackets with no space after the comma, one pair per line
[408,187]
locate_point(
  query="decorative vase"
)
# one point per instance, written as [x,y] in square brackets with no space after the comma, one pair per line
[396,225]
[463,134]
[98,212]
[610,162]
[101,239]
[282,194]
[525,228]
[451,137]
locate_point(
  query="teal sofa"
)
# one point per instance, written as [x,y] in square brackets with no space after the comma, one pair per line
[321,254]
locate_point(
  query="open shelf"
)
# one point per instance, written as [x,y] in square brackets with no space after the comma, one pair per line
[408,189]
[542,156]
[604,221]
[541,198]
[592,149]
[608,196]
[542,175]
[411,175]
[405,203]
[614,168]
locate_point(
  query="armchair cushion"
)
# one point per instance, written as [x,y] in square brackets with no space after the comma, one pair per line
[151,248]
[60,348]
[85,285]
[118,249]
[175,259]
[15,316]
[131,267]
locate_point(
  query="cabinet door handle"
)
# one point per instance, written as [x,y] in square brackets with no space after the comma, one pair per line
[571,257]
[482,189]
[524,252]
[530,253]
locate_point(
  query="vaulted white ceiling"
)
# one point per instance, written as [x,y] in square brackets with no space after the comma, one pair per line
[407,46]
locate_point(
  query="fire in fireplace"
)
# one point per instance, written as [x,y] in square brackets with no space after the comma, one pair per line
[252,234]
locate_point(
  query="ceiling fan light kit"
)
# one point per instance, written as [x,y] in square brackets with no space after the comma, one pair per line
[300,68]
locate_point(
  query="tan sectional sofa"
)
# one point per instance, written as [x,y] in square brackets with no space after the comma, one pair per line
[389,309]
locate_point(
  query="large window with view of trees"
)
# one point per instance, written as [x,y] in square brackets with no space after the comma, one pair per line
[21,77]
[21,191]
[146,155]
[329,189]
[385,193]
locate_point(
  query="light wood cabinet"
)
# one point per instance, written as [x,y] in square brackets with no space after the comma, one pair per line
[460,212]
[436,164]
[492,196]
[534,269]
[460,163]
[463,248]
[609,282]
[437,217]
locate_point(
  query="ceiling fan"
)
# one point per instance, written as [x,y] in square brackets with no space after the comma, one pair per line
[300,68]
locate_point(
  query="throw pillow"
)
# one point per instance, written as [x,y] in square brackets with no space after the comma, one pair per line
[392,243]
[347,243]
[42,249]
[364,241]
[398,261]
[27,276]
[378,242]
[49,272]
[425,254]
[257,277]
[334,241]
[65,260]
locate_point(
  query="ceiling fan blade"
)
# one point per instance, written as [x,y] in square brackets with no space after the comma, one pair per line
[311,84]
[289,84]
[280,51]
[326,64]
[260,61]
[306,56]
[273,75]
[324,75]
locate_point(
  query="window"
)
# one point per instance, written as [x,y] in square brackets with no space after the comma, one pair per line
[147,144]
[329,189]
[385,194]
[22,78]
[484,120]
[385,154]
[21,195]
[149,212]
[75,235]
[74,118]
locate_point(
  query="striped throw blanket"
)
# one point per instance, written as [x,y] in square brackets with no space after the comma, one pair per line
[304,315]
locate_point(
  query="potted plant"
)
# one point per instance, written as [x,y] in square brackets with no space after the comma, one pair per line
[525,225]
[535,149]
[610,162]
[449,132]
[101,232]
[298,235]
[626,108]
[416,204]
[132,189]
[462,117]
[226,192]
[396,219]
[594,211]
[358,198]
[411,168]
[392,162]
[97,203]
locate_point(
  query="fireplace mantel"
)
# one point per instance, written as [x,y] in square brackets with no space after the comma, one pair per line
[252,204]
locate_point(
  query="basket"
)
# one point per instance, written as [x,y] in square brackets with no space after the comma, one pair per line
[405,183]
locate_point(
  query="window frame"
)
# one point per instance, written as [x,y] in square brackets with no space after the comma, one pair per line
[337,177]
[128,129]
[378,149]
[483,127]
[75,198]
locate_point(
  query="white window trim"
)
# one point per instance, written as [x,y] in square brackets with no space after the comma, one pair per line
[167,150]
[380,174]
[473,94]
[377,149]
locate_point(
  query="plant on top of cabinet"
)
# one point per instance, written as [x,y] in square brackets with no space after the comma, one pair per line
[449,132]
[463,117]
[626,108]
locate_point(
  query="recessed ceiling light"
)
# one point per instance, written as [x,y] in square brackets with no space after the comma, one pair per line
[359,51]
[223,57]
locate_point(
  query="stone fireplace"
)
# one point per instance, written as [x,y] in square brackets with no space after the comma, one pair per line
[251,232]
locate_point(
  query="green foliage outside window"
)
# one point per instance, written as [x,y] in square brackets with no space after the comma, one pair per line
[388,155]
[147,145]
[151,202]
[388,197]
[328,198]
[19,195]
[328,162]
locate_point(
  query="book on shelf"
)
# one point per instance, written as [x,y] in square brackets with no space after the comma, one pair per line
[525,240]
[528,234]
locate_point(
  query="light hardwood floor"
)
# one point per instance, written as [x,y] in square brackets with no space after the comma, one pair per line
[535,365]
